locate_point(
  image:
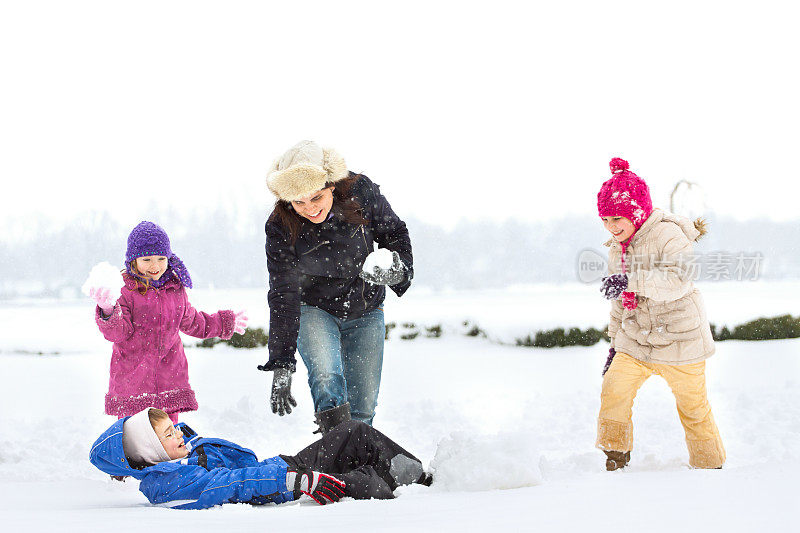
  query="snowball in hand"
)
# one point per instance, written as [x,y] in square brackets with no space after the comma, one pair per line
[104,276]
[381,258]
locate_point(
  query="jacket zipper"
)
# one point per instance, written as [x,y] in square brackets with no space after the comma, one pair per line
[364,283]
[158,343]
[323,243]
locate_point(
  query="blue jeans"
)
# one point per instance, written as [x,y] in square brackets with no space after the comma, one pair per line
[344,359]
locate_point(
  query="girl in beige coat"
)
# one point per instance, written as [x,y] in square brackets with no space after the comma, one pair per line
[658,321]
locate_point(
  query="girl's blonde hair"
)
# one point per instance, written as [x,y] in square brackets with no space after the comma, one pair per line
[142,283]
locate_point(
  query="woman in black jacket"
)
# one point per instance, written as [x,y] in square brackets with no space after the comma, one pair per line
[321,302]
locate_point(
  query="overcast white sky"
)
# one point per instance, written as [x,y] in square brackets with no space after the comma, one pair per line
[476,110]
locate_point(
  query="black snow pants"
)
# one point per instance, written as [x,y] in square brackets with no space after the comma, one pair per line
[371,464]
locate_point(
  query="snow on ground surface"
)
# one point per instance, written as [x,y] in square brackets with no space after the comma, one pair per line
[508,430]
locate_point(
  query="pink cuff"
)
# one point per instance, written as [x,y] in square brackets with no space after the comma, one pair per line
[108,322]
[172,401]
[228,322]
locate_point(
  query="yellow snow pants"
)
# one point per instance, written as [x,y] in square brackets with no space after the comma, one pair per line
[688,383]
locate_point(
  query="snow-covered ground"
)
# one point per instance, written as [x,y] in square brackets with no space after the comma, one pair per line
[509,431]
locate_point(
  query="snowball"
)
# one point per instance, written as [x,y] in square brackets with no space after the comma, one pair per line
[465,462]
[104,276]
[381,258]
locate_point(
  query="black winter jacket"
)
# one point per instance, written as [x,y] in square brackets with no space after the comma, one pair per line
[321,268]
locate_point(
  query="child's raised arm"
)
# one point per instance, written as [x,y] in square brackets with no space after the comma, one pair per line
[204,326]
[116,325]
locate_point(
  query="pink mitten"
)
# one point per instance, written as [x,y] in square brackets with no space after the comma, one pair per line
[103,299]
[629,300]
[240,324]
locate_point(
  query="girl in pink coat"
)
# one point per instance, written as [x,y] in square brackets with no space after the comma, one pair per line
[148,364]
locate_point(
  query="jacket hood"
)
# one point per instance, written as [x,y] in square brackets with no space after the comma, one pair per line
[108,455]
[689,228]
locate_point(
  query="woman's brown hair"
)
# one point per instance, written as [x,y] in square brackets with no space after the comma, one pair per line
[349,207]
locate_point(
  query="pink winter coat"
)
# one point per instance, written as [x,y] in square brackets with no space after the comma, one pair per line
[148,364]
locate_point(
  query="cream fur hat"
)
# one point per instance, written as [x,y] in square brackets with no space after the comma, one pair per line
[140,442]
[304,169]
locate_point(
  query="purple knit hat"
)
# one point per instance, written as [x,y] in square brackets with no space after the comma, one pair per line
[148,238]
[624,195]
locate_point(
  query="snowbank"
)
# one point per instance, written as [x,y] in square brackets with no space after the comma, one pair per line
[467,462]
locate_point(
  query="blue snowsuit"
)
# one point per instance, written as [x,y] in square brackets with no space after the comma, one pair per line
[216,471]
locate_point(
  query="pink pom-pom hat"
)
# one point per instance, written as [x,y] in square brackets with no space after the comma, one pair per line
[624,195]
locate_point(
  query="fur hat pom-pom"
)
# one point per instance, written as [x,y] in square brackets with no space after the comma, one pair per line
[618,165]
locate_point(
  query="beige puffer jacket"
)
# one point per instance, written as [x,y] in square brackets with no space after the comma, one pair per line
[669,326]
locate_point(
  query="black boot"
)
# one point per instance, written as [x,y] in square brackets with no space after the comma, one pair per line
[329,419]
[425,479]
[615,460]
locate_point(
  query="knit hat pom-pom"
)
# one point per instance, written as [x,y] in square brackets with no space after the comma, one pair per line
[618,164]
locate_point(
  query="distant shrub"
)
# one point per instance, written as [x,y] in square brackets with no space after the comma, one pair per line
[721,335]
[409,331]
[559,338]
[209,343]
[433,332]
[251,338]
[473,330]
[779,327]
[590,337]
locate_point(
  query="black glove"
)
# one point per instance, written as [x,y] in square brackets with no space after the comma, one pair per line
[611,353]
[281,397]
[322,488]
[613,286]
[394,275]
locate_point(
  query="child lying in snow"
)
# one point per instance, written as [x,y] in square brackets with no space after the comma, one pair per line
[175,465]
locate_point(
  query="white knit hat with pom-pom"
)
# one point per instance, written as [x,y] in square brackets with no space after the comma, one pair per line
[303,170]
